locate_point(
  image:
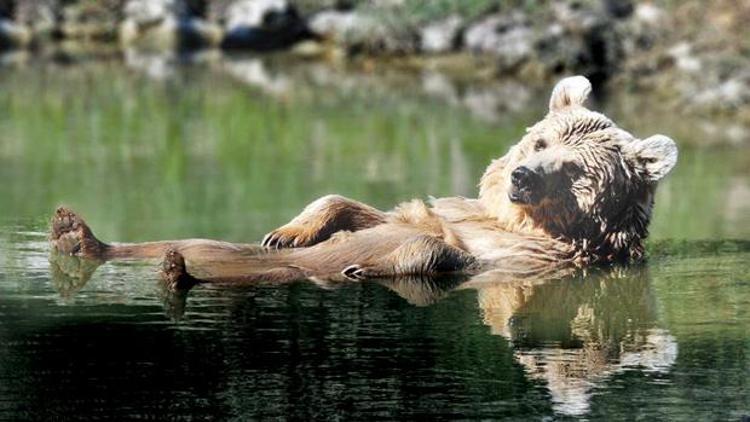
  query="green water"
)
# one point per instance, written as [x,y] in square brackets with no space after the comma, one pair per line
[232,148]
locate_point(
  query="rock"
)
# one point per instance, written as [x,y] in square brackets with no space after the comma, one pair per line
[506,36]
[310,7]
[262,25]
[645,28]
[90,20]
[684,59]
[620,8]
[578,16]
[706,81]
[337,25]
[13,35]
[650,14]
[731,93]
[165,24]
[358,32]
[153,12]
[253,13]
[216,10]
[443,36]
[582,37]
[39,15]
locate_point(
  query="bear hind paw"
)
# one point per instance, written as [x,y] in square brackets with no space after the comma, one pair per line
[355,272]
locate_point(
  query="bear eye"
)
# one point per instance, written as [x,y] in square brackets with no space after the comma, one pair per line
[540,144]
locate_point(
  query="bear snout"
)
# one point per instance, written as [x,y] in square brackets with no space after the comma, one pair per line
[525,185]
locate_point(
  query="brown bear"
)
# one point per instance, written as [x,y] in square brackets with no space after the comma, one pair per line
[575,190]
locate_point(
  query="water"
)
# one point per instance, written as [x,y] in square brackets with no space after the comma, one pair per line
[158,148]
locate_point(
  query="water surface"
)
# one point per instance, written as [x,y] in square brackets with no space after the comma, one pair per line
[151,148]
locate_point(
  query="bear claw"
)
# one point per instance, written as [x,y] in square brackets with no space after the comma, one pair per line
[355,272]
[284,237]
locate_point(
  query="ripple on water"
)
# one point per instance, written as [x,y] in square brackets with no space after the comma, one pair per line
[589,347]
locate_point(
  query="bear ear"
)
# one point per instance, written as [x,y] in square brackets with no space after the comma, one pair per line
[653,157]
[572,91]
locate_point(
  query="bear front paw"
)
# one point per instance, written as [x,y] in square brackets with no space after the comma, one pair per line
[288,237]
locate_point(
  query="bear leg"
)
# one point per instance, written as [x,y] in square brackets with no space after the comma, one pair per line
[321,219]
[174,272]
[420,255]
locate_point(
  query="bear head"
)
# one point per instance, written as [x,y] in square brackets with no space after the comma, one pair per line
[577,177]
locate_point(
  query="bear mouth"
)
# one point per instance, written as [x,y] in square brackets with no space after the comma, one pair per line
[523,196]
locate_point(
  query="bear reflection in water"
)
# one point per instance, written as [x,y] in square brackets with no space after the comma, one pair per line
[571,330]
[576,332]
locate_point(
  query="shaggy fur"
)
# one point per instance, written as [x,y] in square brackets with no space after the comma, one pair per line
[591,201]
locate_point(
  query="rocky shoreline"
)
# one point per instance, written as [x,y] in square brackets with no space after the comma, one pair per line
[691,58]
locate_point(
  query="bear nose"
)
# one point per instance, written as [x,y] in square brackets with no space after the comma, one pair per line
[523,177]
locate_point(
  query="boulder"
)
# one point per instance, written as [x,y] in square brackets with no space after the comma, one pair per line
[620,9]
[684,58]
[506,36]
[360,32]
[13,35]
[442,36]
[730,93]
[581,37]
[40,16]
[90,20]
[339,25]
[152,12]
[262,25]
[579,16]
[165,24]
[647,25]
